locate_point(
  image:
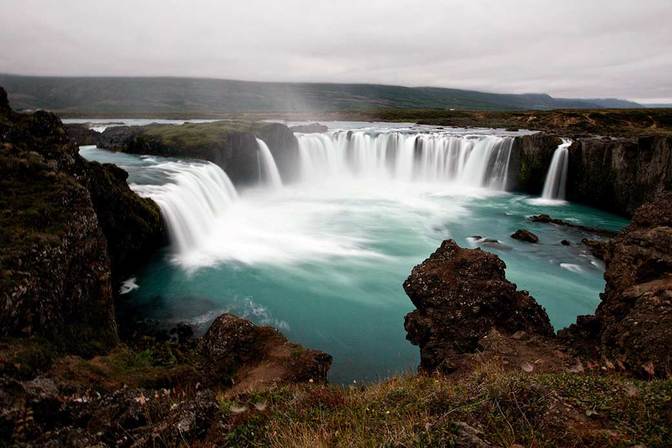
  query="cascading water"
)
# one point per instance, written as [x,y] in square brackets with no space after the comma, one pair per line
[475,161]
[195,196]
[556,178]
[268,170]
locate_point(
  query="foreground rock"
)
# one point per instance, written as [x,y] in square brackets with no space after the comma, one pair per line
[632,326]
[258,357]
[461,295]
[63,220]
[158,392]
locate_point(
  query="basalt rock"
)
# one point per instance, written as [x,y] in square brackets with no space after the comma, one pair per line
[54,268]
[619,174]
[530,158]
[81,134]
[633,323]
[131,224]
[231,145]
[63,219]
[525,235]
[258,356]
[546,219]
[460,296]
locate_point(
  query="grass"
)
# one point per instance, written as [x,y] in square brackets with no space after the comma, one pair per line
[504,409]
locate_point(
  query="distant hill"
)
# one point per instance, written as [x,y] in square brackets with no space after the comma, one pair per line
[120,96]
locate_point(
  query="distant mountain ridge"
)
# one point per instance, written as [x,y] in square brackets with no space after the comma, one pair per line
[166,95]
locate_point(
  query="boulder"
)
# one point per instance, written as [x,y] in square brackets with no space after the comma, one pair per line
[259,356]
[461,295]
[525,235]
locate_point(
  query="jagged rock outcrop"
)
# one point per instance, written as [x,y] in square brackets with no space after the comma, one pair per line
[59,235]
[461,295]
[632,326]
[230,144]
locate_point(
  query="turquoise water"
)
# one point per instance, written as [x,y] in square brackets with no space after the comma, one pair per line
[325,262]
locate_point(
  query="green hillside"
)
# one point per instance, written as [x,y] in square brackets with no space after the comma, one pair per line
[94,95]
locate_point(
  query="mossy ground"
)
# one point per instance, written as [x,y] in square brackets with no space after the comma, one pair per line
[504,409]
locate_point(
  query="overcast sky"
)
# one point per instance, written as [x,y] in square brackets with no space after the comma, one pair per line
[570,48]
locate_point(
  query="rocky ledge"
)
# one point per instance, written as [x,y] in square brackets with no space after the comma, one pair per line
[616,174]
[230,144]
[465,306]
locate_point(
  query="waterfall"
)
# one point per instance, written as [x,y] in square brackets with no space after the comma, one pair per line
[194,197]
[556,178]
[472,160]
[268,170]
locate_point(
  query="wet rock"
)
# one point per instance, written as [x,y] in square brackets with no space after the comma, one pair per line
[597,247]
[546,219]
[460,295]
[525,235]
[565,243]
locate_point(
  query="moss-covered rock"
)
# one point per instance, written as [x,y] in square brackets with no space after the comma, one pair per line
[230,144]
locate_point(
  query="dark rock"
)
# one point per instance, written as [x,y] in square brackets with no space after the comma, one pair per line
[132,225]
[546,219]
[81,134]
[565,243]
[312,128]
[619,174]
[54,269]
[597,247]
[529,161]
[235,346]
[460,296]
[525,235]
[633,323]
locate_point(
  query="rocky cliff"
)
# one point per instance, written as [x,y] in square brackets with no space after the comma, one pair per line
[230,144]
[632,326]
[63,220]
[616,174]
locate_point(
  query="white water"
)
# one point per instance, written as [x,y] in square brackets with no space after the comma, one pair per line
[196,196]
[466,160]
[268,170]
[556,178]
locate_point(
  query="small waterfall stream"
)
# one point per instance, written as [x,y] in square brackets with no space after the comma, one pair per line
[268,169]
[556,178]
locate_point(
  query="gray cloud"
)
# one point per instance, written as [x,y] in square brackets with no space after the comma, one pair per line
[579,48]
